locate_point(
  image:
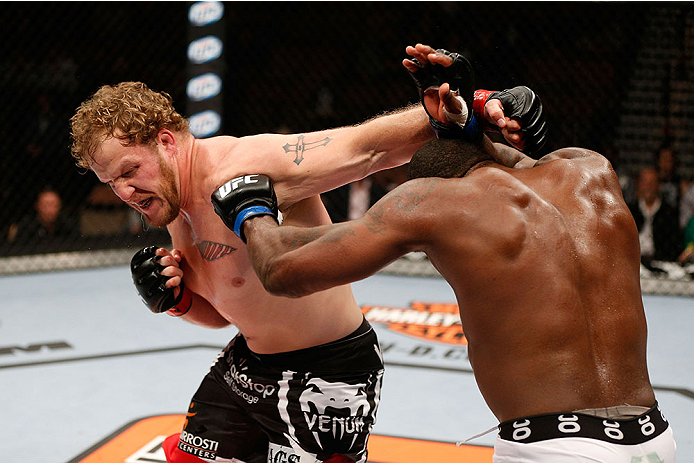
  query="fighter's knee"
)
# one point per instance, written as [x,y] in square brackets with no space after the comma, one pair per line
[174,454]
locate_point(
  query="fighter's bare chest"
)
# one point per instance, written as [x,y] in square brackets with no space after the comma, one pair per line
[213,256]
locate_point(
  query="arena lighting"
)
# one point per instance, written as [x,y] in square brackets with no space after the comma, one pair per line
[205,68]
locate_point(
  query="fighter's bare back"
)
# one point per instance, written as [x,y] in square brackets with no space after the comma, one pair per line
[558,246]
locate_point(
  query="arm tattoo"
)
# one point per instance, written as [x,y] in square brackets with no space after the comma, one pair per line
[411,195]
[340,232]
[375,223]
[303,236]
[406,200]
[301,146]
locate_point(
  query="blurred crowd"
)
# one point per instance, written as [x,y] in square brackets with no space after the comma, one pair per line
[50,206]
[662,203]
[660,199]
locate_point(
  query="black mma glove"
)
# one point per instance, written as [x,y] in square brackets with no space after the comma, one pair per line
[242,198]
[521,103]
[149,281]
[460,76]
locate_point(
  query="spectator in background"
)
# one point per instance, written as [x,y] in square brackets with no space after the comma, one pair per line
[668,177]
[687,256]
[656,219]
[105,214]
[687,223]
[687,203]
[351,201]
[625,175]
[47,223]
[362,195]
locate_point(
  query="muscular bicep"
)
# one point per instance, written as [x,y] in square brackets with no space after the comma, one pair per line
[298,261]
[302,165]
[294,261]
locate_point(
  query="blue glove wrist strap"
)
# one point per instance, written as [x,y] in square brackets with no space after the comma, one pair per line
[471,132]
[245,214]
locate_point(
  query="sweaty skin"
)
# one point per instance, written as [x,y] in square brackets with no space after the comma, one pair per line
[170,182]
[544,262]
[211,259]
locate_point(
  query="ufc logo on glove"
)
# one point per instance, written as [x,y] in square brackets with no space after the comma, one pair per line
[241,198]
[233,184]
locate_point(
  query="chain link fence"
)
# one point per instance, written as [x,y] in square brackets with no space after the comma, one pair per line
[614,77]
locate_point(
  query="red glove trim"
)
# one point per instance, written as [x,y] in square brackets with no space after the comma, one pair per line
[183,305]
[479,100]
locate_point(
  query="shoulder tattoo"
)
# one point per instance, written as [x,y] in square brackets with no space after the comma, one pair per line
[405,199]
[410,194]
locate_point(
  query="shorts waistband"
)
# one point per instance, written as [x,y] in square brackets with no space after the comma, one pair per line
[619,412]
[630,431]
[356,346]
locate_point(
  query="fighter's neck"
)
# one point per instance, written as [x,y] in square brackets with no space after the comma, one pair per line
[479,165]
[185,163]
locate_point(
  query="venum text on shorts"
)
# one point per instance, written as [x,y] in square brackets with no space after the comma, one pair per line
[337,426]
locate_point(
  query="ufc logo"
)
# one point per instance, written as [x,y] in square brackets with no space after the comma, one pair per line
[234,183]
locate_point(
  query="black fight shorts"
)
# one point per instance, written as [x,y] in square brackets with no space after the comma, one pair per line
[300,406]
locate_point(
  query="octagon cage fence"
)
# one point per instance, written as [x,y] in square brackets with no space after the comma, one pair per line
[614,77]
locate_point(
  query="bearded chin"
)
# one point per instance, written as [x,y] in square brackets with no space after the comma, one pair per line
[172,212]
[168,214]
[171,204]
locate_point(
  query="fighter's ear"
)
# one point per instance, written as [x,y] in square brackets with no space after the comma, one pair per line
[167,139]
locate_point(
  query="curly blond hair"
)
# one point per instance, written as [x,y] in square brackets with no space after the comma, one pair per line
[129,111]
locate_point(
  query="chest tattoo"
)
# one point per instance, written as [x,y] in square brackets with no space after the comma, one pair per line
[213,251]
[300,146]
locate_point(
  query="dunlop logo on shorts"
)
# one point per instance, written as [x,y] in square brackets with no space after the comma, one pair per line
[438,322]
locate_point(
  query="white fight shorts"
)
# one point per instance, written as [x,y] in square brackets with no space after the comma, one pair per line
[574,437]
